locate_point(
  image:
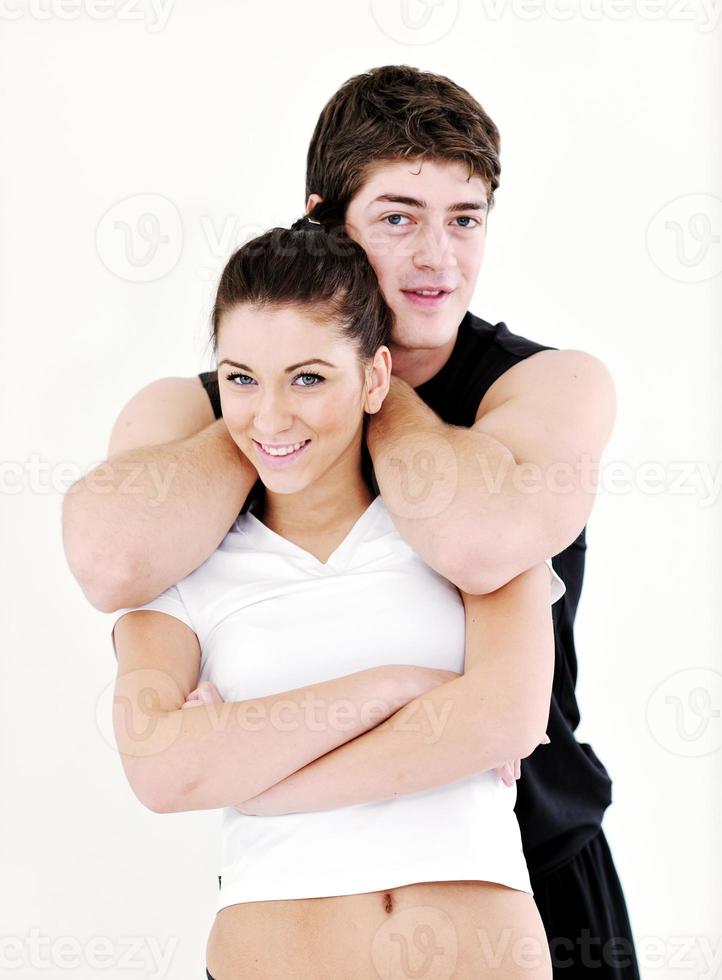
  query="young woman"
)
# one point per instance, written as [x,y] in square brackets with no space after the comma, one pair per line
[365,707]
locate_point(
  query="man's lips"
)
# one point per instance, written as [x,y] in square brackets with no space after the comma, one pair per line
[433,300]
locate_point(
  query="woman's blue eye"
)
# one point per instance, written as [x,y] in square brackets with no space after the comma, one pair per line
[308,375]
[305,374]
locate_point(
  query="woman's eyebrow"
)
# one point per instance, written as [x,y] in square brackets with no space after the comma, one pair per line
[310,360]
[413,202]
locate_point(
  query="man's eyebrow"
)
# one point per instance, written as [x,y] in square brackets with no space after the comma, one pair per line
[306,363]
[413,202]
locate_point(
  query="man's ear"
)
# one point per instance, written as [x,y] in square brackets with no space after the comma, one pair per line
[312,202]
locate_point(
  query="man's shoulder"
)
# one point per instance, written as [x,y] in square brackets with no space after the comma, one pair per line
[491,363]
[519,364]
[499,336]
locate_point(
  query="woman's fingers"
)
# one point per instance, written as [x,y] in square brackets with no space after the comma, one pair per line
[509,772]
[209,693]
[205,693]
[505,773]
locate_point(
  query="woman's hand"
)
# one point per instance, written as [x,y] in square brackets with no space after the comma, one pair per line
[205,693]
[511,771]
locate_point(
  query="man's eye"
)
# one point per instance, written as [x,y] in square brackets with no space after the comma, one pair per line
[395,224]
[390,219]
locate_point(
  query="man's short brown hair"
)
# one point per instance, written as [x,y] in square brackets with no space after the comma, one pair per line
[397,112]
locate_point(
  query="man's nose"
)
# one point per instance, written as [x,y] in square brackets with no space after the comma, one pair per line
[434,249]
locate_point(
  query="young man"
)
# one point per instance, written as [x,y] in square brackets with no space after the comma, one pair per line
[485,452]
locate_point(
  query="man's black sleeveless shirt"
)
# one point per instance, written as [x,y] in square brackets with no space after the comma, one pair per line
[564,789]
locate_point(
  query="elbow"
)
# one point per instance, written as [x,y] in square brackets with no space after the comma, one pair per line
[149,794]
[100,570]
[158,807]
[469,574]
[156,795]
[106,589]
[481,567]
[158,750]
[152,777]
[524,740]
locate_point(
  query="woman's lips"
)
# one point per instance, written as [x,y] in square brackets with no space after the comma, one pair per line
[278,461]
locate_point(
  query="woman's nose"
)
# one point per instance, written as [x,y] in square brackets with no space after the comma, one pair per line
[272,417]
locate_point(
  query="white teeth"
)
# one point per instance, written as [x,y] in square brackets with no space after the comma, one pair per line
[428,292]
[283,450]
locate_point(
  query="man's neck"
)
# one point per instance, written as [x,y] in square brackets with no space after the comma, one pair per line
[416,366]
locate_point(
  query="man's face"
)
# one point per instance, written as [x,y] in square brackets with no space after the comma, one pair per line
[423,227]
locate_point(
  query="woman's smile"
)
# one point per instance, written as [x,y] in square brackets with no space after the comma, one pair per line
[280,455]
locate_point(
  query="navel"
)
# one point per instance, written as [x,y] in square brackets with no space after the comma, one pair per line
[388,902]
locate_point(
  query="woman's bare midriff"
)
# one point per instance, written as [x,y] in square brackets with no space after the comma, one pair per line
[433,930]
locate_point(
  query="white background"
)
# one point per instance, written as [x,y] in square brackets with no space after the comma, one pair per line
[608,112]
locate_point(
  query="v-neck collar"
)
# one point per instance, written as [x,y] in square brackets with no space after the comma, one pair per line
[338,559]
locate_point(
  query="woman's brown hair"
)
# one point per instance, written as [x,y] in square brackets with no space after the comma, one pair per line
[314,268]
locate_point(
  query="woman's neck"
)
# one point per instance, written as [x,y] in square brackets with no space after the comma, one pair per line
[318,510]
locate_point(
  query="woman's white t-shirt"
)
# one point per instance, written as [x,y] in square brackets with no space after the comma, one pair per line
[270,617]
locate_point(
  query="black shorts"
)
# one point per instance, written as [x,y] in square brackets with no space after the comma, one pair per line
[585,917]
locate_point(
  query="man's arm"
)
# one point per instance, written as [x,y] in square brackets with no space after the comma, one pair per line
[481,505]
[161,504]
[497,710]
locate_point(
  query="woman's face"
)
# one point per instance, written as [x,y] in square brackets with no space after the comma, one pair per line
[286,378]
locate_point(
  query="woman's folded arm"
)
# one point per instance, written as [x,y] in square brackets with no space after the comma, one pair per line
[498,710]
[212,755]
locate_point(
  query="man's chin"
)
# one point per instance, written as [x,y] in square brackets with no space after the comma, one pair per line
[425,332]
